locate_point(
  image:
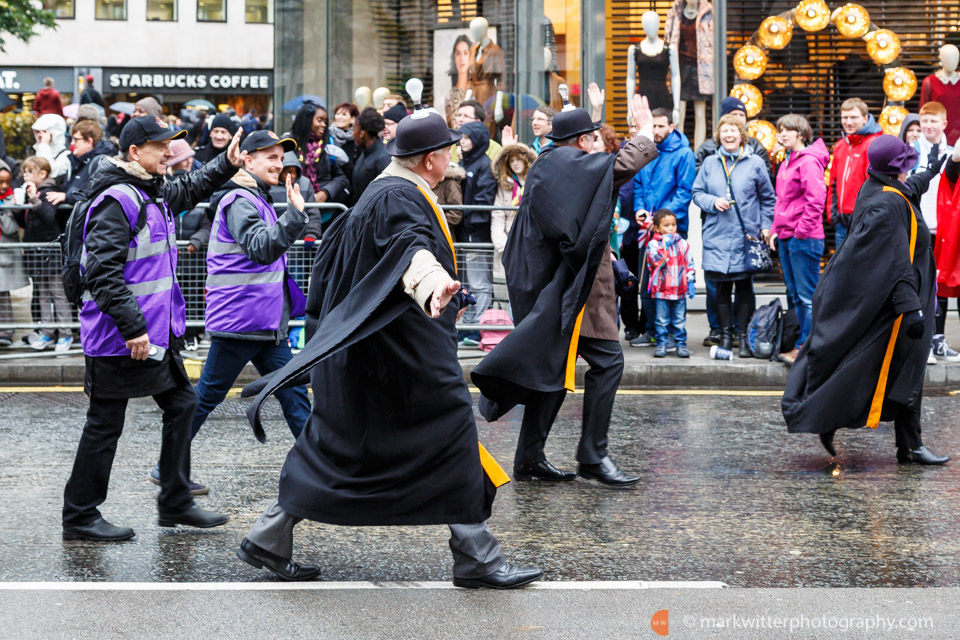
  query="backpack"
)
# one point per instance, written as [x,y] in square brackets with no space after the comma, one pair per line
[765,331]
[72,239]
[491,338]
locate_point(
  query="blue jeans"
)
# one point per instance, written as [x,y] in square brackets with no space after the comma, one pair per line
[672,314]
[226,360]
[800,262]
[840,231]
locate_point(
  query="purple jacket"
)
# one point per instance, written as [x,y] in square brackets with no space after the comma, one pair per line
[802,194]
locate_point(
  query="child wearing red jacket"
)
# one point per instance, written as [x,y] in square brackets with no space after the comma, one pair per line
[672,278]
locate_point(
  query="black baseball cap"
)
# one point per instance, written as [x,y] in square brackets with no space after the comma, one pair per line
[260,140]
[147,129]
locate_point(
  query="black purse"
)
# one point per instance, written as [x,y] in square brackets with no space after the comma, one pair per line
[755,252]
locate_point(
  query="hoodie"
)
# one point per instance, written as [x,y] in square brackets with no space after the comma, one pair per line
[55,151]
[48,101]
[801,193]
[82,167]
[278,192]
[849,170]
[479,186]
[928,201]
[666,182]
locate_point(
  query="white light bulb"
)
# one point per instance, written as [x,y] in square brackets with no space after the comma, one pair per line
[882,43]
[812,13]
[414,89]
[774,28]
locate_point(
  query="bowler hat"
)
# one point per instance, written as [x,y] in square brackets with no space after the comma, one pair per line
[573,123]
[421,132]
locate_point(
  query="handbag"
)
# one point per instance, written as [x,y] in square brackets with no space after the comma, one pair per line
[756,255]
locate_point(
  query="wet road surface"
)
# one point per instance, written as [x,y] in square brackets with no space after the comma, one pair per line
[727,495]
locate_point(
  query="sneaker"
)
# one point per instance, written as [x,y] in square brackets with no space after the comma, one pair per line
[713,338]
[682,351]
[30,338]
[942,350]
[469,342]
[671,344]
[932,358]
[646,340]
[64,344]
[660,351]
[630,334]
[196,489]
[41,343]
[5,341]
[191,344]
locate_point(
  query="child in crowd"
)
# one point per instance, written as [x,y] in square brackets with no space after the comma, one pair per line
[672,277]
[11,267]
[43,265]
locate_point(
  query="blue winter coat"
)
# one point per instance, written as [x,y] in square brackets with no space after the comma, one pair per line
[665,183]
[723,241]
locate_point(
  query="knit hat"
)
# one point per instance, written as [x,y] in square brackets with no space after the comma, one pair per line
[151,106]
[396,113]
[181,151]
[731,104]
[224,121]
[891,156]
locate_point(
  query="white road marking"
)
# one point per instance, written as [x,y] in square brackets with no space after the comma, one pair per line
[626,585]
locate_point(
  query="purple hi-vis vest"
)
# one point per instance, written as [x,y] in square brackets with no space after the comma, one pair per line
[149,273]
[242,295]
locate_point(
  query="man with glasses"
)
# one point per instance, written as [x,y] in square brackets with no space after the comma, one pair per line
[473,111]
[542,124]
[88,145]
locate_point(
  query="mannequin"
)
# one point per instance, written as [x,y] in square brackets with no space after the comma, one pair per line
[564,92]
[652,59]
[689,32]
[363,97]
[486,69]
[379,95]
[943,86]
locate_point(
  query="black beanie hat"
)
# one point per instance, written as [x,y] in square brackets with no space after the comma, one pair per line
[226,122]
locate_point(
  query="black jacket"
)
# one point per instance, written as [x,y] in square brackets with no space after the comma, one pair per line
[479,187]
[92,96]
[368,166]
[192,224]
[39,223]
[330,177]
[82,166]
[108,239]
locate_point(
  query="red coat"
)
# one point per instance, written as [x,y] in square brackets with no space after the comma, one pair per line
[48,101]
[849,170]
[946,250]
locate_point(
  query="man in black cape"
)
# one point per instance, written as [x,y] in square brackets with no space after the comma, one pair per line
[873,315]
[561,283]
[392,438]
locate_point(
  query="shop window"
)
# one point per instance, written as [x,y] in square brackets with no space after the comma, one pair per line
[111,10]
[62,9]
[211,11]
[259,11]
[161,10]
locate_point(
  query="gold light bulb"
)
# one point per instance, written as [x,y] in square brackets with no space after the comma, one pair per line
[812,15]
[891,119]
[853,21]
[883,46]
[750,62]
[775,32]
[899,84]
[763,131]
[750,96]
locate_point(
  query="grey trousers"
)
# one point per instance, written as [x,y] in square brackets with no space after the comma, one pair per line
[476,552]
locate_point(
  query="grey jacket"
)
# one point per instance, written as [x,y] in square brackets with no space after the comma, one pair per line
[723,241]
[260,242]
[11,260]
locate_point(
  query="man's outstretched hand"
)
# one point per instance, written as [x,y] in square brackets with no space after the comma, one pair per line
[442,294]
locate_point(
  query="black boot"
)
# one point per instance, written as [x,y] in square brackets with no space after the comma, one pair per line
[744,314]
[745,351]
[725,316]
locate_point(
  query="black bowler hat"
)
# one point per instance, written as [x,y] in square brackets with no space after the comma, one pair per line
[568,124]
[147,129]
[421,132]
[259,140]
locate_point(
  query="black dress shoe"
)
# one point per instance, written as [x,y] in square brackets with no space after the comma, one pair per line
[542,470]
[920,456]
[99,530]
[607,473]
[506,577]
[195,516]
[826,439]
[283,568]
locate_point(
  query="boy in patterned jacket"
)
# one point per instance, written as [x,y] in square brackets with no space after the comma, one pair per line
[672,277]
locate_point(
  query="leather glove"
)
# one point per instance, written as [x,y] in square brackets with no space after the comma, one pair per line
[935,160]
[691,289]
[914,322]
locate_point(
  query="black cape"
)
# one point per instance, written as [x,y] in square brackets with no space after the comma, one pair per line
[555,247]
[868,283]
[392,438]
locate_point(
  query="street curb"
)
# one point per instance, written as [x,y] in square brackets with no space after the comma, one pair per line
[638,373]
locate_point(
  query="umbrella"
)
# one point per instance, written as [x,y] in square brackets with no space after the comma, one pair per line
[296,103]
[123,107]
[5,100]
[70,111]
[202,104]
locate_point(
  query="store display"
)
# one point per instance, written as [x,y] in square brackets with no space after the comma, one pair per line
[852,20]
[689,32]
[943,86]
[650,65]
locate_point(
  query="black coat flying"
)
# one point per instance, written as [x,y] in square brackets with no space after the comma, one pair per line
[868,283]
[392,439]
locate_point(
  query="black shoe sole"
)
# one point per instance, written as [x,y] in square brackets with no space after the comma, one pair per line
[259,564]
[920,462]
[615,485]
[73,535]
[194,492]
[466,583]
[527,478]
[164,522]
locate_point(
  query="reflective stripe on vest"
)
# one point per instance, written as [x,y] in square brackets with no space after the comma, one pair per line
[149,273]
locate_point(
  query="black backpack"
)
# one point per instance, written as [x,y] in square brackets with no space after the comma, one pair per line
[765,331]
[71,242]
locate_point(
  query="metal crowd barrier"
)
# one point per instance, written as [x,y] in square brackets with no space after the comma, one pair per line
[40,262]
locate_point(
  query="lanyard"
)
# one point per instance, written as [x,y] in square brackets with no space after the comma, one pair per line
[729,172]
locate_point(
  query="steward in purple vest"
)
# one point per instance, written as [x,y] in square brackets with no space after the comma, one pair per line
[130,323]
[250,294]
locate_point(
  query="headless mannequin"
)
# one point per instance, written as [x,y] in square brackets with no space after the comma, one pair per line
[690,10]
[485,78]
[363,97]
[946,88]
[652,46]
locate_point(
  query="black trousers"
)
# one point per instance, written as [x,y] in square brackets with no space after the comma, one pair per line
[605,358]
[87,487]
[906,425]
[630,303]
